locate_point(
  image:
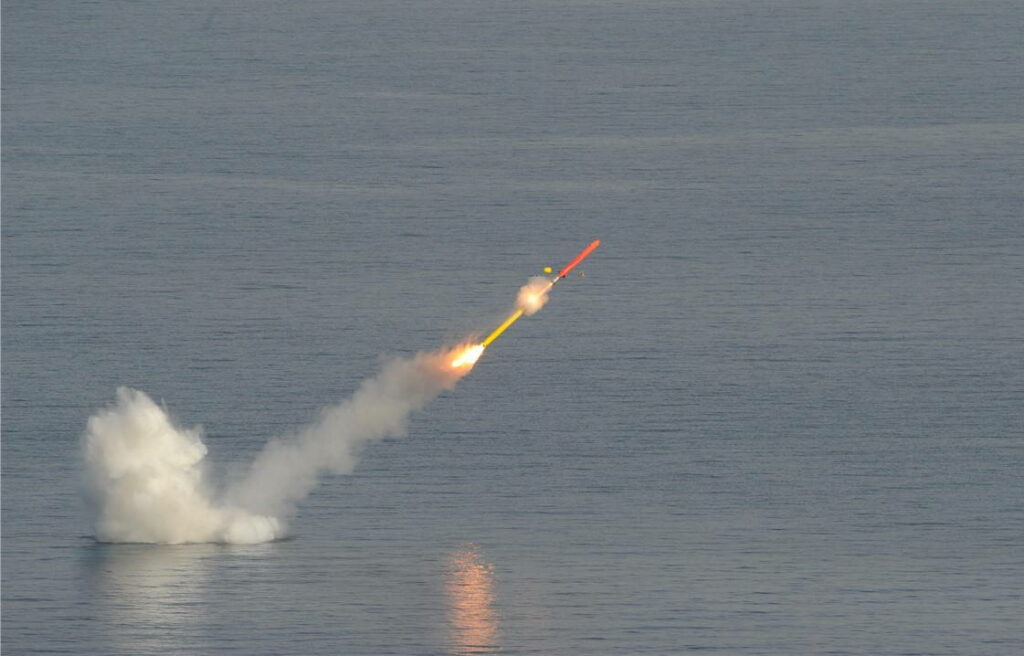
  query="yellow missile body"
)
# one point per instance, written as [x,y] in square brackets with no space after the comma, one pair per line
[512,318]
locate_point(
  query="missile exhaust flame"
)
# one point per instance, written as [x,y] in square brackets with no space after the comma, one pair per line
[466,357]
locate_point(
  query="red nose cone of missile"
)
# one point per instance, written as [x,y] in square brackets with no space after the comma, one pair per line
[579,258]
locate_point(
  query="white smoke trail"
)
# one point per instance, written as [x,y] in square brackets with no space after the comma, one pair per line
[149,484]
[287,470]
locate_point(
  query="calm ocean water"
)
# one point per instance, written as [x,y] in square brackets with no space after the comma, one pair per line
[781,414]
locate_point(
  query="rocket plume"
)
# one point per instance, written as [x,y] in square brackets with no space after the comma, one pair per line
[286,471]
[149,483]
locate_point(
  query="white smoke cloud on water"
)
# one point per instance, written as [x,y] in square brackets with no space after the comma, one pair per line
[533,295]
[149,482]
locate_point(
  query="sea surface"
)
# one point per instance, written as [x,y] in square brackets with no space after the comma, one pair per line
[782,413]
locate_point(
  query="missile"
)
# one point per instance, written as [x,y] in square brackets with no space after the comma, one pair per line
[496,333]
[514,317]
[576,260]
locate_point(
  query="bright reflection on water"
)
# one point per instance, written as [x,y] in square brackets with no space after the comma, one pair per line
[469,586]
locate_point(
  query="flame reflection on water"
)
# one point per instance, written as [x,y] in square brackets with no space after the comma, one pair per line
[469,586]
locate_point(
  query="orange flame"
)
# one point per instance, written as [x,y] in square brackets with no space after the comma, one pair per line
[466,356]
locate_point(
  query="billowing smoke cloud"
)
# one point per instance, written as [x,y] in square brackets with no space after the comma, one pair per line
[149,483]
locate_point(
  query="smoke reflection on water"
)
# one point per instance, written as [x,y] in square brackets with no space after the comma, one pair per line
[155,598]
[141,587]
[469,586]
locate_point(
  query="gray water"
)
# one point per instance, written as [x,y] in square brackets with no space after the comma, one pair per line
[781,414]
